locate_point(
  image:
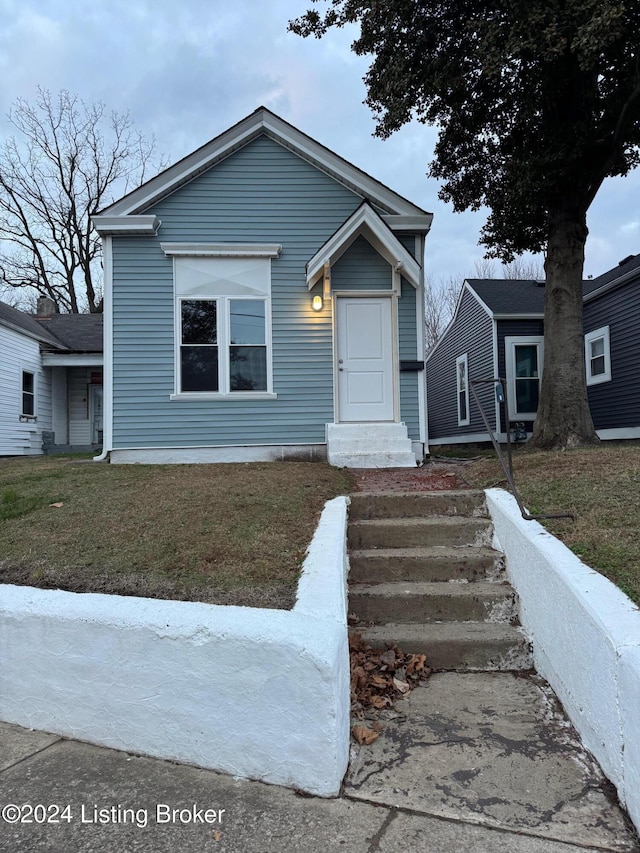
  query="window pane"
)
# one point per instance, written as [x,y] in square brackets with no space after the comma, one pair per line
[597,366]
[462,375]
[248,368]
[199,368]
[597,347]
[27,382]
[527,391]
[28,404]
[462,397]
[199,322]
[526,357]
[247,321]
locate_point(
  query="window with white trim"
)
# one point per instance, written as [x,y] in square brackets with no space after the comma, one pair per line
[462,389]
[524,356]
[597,356]
[223,320]
[28,394]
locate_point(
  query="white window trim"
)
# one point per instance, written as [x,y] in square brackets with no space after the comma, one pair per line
[224,334]
[603,333]
[222,250]
[510,343]
[24,417]
[462,359]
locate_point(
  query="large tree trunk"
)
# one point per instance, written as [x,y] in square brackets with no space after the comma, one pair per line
[564,419]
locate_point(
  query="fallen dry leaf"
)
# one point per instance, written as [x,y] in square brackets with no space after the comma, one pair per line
[58,504]
[401,686]
[364,735]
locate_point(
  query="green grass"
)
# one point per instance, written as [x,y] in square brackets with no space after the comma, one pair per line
[600,485]
[220,533]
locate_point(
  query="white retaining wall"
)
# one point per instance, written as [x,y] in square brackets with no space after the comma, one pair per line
[586,642]
[261,694]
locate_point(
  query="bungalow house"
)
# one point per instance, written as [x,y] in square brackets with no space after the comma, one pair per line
[498,330]
[50,381]
[263,300]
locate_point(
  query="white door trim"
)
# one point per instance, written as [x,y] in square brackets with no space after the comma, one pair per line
[395,362]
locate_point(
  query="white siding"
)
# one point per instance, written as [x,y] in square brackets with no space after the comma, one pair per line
[17,353]
[60,417]
[79,427]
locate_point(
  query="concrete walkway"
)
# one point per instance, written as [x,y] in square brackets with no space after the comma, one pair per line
[479,762]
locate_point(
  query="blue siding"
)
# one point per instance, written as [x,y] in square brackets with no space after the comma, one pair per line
[408,351]
[471,332]
[361,268]
[515,328]
[262,193]
[616,404]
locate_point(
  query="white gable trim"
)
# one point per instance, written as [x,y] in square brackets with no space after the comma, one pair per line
[262,121]
[365,222]
[136,225]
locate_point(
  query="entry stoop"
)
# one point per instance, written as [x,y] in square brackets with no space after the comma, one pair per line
[424,577]
[369,445]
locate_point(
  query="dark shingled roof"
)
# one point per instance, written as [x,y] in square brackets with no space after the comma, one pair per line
[510,297]
[77,332]
[627,265]
[18,319]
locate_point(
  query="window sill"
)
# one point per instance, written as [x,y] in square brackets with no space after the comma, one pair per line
[235,395]
[28,419]
[598,380]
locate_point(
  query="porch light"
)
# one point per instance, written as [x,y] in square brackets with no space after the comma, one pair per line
[317,303]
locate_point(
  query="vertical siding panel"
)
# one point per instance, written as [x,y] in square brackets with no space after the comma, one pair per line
[79,427]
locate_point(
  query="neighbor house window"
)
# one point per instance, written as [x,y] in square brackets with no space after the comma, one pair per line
[28,394]
[223,319]
[524,371]
[462,388]
[597,354]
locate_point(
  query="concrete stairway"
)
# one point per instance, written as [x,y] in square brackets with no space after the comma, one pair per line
[423,576]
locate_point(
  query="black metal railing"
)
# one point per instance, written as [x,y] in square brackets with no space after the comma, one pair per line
[501,395]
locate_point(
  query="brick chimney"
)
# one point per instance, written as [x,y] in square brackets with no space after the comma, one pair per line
[46,307]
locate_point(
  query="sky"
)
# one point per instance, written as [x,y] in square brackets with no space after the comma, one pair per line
[186,70]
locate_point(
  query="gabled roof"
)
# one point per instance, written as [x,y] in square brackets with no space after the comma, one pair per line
[510,297]
[76,332]
[262,122]
[367,223]
[25,323]
[627,269]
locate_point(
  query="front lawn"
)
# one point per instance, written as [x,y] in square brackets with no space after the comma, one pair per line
[601,485]
[225,534]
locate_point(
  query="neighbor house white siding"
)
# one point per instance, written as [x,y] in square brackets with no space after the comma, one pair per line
[18,437]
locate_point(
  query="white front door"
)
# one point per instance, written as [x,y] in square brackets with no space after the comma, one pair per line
[365,359]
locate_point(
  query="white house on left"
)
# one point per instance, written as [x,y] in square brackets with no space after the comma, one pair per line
[50,381]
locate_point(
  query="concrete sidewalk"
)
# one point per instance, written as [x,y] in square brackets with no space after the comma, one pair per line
[480,762]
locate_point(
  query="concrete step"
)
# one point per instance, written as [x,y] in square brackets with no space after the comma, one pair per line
[457,645]
[434,563]
[373,445]
[411,532]
[432,602]
[368,505]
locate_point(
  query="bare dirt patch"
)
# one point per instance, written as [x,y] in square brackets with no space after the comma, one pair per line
[224,534]
[431,477]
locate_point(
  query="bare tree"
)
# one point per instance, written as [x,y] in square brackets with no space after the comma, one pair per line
[440,300]
[69,159]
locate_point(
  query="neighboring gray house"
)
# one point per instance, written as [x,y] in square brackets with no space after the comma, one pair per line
[498,330]
[263,300]
[50,381]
